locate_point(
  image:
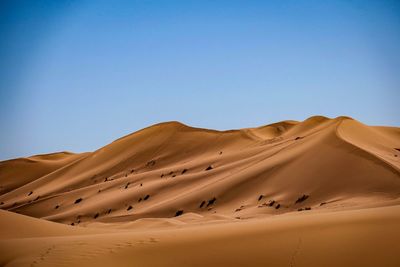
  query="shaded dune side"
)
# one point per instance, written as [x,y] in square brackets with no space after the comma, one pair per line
[160,170]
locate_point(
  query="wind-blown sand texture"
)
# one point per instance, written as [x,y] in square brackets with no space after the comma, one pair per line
[322,192]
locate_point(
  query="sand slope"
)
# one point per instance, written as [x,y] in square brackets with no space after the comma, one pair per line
[258,184]
[18,172]
[367,237]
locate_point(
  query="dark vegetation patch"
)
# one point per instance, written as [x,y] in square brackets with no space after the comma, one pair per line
[140,199]
[146,197]
[179,213]
[129,208]
[211,201]
[78,200]
[184,170]
[151,163]
[306,208]
[57,206]
[301,199]
[127,185]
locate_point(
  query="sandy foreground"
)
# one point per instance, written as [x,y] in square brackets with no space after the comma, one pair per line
[322,192]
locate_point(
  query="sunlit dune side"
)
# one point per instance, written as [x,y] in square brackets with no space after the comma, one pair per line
[321,192]
[18,172]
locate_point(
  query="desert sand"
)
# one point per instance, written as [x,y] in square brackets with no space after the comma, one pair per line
[321,192]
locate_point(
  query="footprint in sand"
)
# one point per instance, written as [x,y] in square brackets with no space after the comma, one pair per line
[296,251]
[129,244]
[147,241]
[42,256]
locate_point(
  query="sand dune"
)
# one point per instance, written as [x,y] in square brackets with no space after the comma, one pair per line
[322,192]
[18,172]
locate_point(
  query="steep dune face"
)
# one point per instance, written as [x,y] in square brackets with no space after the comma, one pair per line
[171,169]
[377,141]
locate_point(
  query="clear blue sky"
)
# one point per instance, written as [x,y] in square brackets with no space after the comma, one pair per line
[75,75]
